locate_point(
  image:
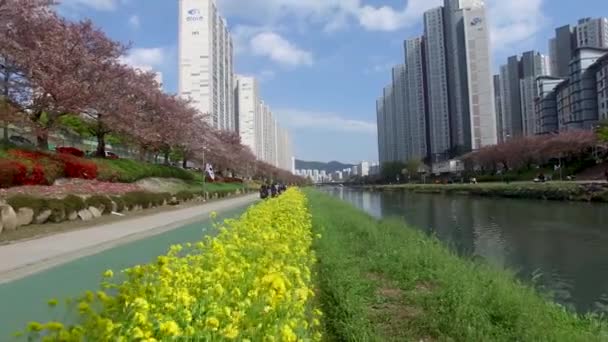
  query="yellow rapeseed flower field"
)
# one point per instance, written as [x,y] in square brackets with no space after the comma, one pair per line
[252,282]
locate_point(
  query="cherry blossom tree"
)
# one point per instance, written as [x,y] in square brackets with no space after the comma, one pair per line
[60,61]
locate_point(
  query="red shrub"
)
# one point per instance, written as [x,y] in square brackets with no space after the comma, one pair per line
[29,155]
[75,167]
[71,151]
[12,173]
[36,177]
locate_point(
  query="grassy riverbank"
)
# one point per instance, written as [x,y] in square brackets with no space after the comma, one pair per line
[382,281]
[558,191]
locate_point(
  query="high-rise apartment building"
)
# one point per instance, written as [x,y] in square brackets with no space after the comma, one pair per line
[560,51]
[471,85]
[284,154]
[583,112]
[269,136]
[382,134]
[499,111]
[247,107]
[510,75]
[389,124]
[518,93]
[588,33]
[533,65]
[592,33]
[206,62]
[437,85]
[601,78]
[401,129]
[415,108]
[546,104]
[441,103]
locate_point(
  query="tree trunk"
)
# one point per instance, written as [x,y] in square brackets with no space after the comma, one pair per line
[5,131]
[166,156]
[184,163]
[101,146]
[5,91]
[42,139]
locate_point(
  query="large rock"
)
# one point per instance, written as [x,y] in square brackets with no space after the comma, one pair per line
[73,216]
[43,216]
[8,217]
[58,216]
[95,212]
[85,215]
[25,217]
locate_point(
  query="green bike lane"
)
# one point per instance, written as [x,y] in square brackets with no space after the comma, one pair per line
[25,300]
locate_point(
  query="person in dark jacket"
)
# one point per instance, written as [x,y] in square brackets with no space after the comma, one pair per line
[263,191]
[274,190]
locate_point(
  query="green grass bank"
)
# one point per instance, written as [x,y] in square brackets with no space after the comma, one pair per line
[384,281]
[556,191]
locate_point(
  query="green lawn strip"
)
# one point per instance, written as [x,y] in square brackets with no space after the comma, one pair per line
[383,281]
[129,171]
[562,191]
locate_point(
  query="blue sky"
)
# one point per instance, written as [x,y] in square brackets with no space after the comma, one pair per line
[321,63]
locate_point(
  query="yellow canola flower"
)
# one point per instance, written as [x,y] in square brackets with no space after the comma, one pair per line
[251,282]
[170,328]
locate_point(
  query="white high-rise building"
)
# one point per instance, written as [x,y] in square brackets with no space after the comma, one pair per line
[471,83]
[247,106]
[592,33]
[206,62]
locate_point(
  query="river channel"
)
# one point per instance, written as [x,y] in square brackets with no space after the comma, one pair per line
[560,247]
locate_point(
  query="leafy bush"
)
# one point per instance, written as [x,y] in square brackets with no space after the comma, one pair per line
[99,202]
[75,167]
[133,199]
[120,203]
[57,208]
[12,173]
[184,196]
[25,201]
[73,204]
[71,151]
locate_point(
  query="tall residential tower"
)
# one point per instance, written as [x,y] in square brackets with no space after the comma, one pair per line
[206,62]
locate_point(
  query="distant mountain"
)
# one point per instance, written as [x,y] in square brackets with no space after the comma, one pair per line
[328,167]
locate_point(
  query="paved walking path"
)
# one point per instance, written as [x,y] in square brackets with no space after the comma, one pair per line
[25,258]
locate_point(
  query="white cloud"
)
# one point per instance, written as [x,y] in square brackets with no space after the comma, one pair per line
[331,14]
[295,118]
[266,75]
[280,50]
[515,21]
[134,21]
[100,5]
[145,57]
[386,18]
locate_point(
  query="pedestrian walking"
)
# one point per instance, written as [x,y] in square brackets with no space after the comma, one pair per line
[273,190]
[263,191]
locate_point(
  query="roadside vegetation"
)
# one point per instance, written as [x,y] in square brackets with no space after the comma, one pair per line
[383,281]
[253,282]
[557,191]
